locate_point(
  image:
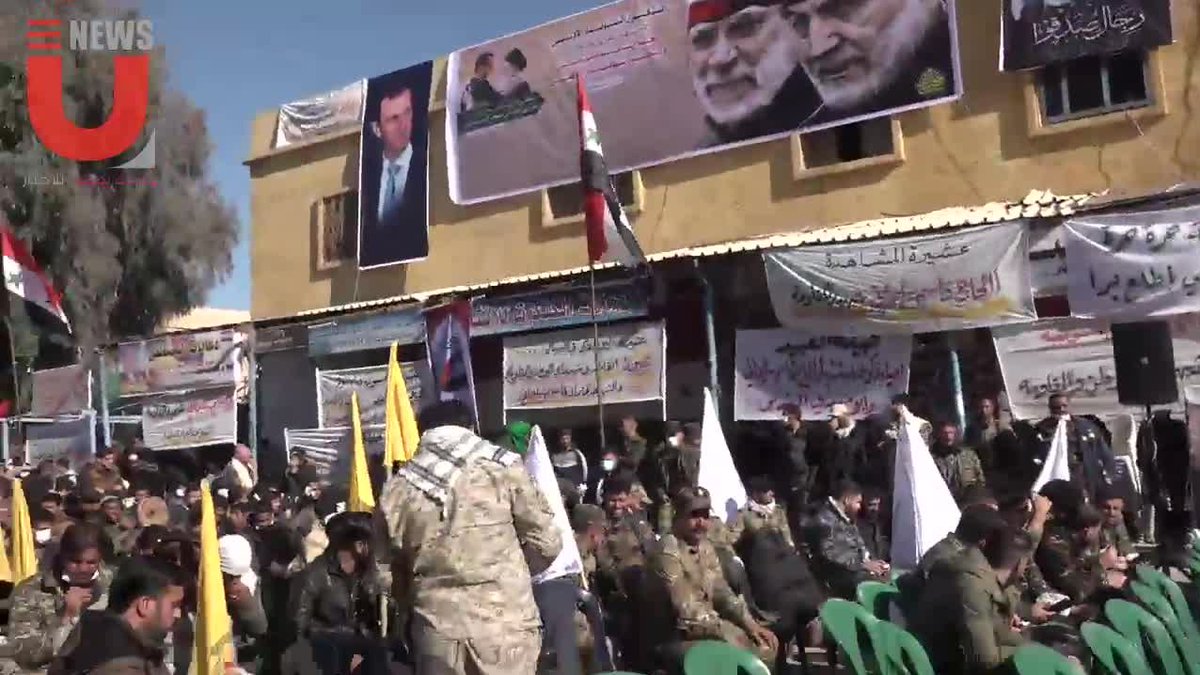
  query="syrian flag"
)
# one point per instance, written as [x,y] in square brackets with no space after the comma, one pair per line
[609,236]
[25,278]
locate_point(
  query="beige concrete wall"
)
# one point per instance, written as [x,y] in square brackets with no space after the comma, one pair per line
[988,146]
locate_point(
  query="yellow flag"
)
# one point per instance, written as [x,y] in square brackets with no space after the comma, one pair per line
[361,497]
[24,557]
[213,648]
[400,436]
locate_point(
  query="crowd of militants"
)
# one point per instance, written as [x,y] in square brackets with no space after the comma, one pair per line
[449,574]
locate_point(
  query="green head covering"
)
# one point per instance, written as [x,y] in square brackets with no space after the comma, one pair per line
[518,435]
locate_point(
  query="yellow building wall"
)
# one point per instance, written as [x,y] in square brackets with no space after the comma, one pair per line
[986,147]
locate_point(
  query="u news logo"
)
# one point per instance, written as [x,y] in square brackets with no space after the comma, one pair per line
[131,95]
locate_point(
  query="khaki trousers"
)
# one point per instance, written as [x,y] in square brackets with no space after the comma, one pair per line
[510,653]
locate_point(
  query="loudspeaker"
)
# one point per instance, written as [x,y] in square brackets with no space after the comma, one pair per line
[1145,363]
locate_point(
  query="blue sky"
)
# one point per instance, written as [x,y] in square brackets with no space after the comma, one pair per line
[235,58]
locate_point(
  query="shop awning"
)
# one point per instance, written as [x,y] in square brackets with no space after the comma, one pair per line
[1037,204]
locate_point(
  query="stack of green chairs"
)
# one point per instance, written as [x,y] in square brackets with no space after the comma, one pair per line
[900,652]
[1179,601]
[853,629]
[1035,659]
[1114,654]
[720,658]
[1147,634]
[877,598]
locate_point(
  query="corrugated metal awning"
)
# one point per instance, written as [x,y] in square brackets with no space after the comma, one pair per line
[1037,204]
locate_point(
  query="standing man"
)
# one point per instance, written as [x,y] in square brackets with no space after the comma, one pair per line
[241,472]
[569,463]
[960,467]
[128,637]
[468,528]
[797,475]
[1089,459]
[396,207]
[633,446]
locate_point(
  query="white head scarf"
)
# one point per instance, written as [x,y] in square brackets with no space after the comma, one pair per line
[236,558]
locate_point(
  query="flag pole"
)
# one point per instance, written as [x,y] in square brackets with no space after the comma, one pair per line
[596,352]
[12,353]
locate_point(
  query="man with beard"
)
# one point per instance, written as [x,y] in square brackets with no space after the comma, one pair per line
[129,636]
[744,61]
[960,466]
[865,56]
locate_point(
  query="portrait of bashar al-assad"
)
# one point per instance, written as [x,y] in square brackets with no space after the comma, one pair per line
[869,55]
[744,59]
[393,180]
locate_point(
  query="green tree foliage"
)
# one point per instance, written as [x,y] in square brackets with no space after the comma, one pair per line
[128,248]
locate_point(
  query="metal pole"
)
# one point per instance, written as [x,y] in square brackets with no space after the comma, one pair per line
[104,421]
[4,441]
[12,352]
[252,395]
[596,353]
[960,408]
[710,331]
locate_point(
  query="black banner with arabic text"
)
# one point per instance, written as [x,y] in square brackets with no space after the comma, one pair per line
[1043,32]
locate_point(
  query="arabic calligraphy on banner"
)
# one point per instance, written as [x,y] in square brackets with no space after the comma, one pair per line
[205,417]
[329,449]
[1134,265]
[558,369]
[512,125]
[781,369]
[60,391]
[557,309]
[377,331]
[1075,356]
[335,387]
[1041,32]
[179,361]
[70,440]
[963,279]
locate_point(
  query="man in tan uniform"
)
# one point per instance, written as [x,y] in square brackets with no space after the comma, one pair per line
[468,528]
[704,606]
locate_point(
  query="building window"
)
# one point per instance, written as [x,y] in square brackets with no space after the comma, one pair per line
[337,228]
[1094,85]
[565,202]
[848,147]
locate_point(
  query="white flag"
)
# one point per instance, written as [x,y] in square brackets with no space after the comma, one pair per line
[718,475]
[923,510]
[1056,466]
[537,463]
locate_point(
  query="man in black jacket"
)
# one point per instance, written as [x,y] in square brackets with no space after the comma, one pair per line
[337,601]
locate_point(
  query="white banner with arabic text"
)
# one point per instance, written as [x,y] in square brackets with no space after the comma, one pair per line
[203,417]
[61,391]
[1076,356]
[62,439]
[951,281]
[779,369]
[329,449]
[1134,265]
[558,369]
[335,387]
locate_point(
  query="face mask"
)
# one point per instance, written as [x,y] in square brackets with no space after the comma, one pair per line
[608,464]
[133,458]
[41,536]
[674,441]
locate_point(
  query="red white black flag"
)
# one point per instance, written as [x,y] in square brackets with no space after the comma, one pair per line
[609,236]
[25,278]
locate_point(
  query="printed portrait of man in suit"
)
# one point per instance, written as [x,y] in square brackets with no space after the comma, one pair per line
[393,177]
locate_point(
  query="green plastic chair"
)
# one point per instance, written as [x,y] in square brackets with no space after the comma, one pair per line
[1143,630]
[1035,659]
[1114,654]
[1164,584]
[902,653]
[852,628]
[721,658]
[1162,609]
[877,598]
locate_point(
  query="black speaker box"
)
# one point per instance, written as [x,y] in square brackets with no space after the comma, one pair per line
[1145,363]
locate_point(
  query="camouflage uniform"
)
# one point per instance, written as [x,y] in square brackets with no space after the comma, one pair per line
[680,468]
[1069,569]
[1117,537]
[705,608]
[751,519]
[36,626]
[621,578]
[460,567]
[960,468]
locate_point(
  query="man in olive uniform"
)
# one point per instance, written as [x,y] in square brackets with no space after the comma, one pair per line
[621,559]
[1114,533]
[964,618]
[704,606]
[680,469]
[1068,555]
[960,466]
